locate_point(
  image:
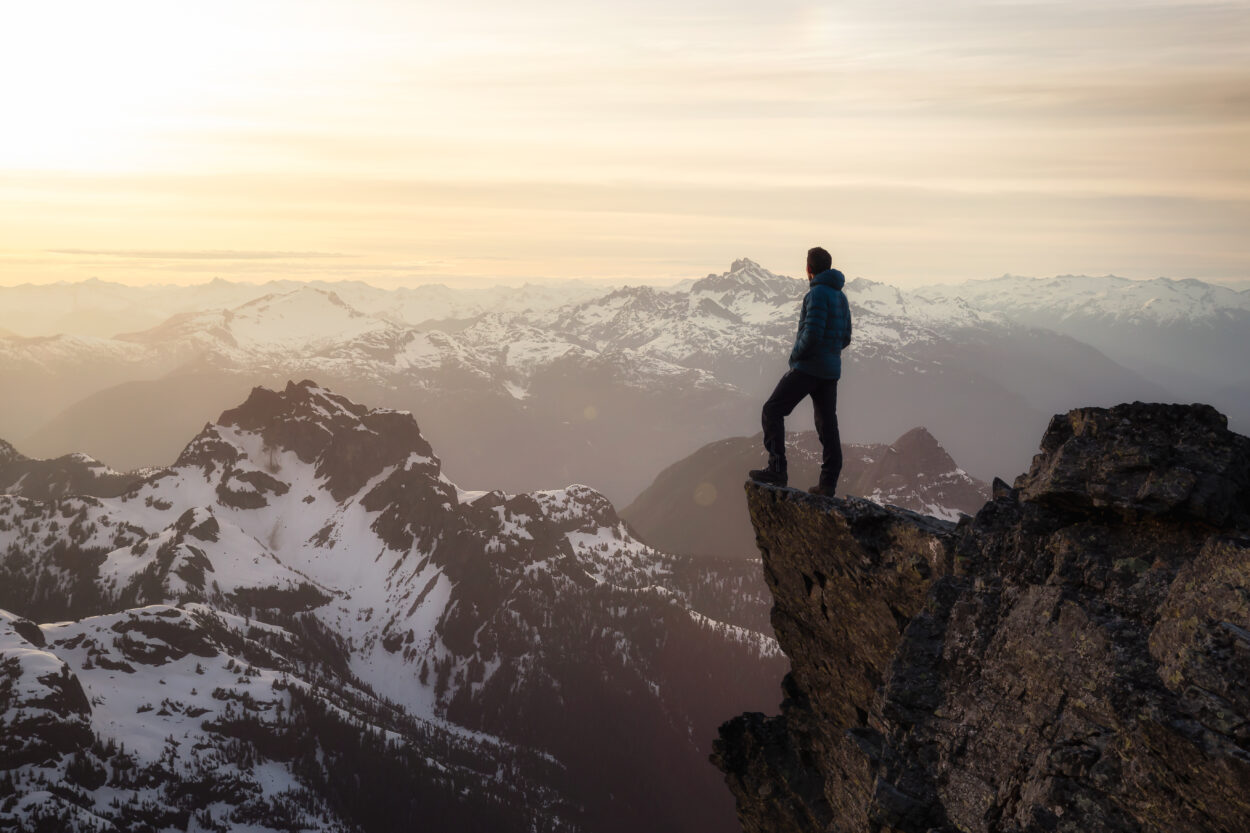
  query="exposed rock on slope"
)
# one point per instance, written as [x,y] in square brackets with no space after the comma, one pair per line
[1073,659]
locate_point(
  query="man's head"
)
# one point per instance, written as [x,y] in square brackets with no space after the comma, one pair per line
[818,260]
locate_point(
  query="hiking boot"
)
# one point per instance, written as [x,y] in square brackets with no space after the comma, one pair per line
[770,476]
[822,490]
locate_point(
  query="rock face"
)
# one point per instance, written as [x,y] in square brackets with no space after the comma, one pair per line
[1075,658]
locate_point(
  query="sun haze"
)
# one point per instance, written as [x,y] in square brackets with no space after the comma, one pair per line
[410,142]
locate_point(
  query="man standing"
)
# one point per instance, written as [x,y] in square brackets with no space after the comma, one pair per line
[815,367]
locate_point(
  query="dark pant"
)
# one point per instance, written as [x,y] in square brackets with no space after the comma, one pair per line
[789,392]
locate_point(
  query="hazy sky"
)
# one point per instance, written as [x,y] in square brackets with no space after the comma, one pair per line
[405,142]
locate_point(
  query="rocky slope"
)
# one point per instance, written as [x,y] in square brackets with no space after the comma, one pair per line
[303,624]
[1074,658]
[696,506]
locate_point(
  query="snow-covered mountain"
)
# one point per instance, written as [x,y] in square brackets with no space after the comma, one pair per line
[481,384]
[189,718]
[305,320]
[549,393]
[103,309]
[308,330]
[697,506]
[304,597]
[435,305]
[1185,332]
[942,363]
[1108,298]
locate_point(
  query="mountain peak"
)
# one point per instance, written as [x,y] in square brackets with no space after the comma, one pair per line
[917,457]
[918,441]
[746,275]
[855,284]
[300,401]
[9,454]
[300,295]
[296,321]
[350,443]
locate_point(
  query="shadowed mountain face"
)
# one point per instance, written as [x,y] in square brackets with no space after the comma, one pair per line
[697,506]
[9,454]
[73,474]
[533,390]
[1072,659]
[303,624]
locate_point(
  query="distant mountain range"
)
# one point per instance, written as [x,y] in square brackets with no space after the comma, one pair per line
[698,507]
[103,309]
[539,386]
[1190,335]
[304,624]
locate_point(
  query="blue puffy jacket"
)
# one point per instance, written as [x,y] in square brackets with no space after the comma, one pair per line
[824,327]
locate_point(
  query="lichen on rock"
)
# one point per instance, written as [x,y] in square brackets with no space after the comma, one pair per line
[1075,658]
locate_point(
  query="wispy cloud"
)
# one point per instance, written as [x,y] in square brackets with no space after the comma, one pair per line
[967,137]
[224,254]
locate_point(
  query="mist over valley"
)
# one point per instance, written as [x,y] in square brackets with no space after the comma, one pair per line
[538,386]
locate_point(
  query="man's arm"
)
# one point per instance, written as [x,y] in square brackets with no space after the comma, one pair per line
[815,313]
[844,312]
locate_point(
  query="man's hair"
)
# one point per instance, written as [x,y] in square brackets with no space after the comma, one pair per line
[818,260]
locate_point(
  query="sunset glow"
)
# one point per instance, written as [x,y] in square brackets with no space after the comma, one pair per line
[411,142]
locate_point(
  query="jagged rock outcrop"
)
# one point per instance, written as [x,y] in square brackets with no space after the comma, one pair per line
[1075,658]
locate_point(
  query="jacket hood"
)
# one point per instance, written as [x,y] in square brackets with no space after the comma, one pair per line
[830,277]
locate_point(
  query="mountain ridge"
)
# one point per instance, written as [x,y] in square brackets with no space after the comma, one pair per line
[579,370]
[309,556]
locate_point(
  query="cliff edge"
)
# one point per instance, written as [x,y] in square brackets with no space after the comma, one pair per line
[1074,658]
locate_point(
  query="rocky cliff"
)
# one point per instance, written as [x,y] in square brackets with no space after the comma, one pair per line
[1075,658]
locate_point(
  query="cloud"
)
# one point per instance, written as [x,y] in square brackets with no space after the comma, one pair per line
[219,254]
[969,137]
